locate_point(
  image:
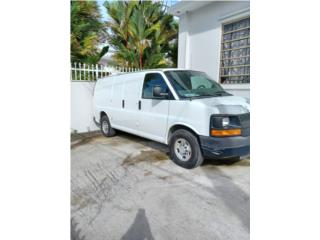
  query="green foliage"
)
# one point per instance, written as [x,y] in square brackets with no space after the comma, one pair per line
[142,34]
[173,53]
[87,31]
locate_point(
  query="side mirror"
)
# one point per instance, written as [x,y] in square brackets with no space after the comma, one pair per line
[157,92]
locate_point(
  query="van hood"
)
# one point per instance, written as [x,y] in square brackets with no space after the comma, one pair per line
[225,104]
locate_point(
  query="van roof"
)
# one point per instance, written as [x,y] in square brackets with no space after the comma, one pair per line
[152,70]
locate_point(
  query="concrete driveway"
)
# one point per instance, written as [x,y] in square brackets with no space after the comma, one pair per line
[126,187]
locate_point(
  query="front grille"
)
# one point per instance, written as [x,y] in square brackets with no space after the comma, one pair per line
[245,124]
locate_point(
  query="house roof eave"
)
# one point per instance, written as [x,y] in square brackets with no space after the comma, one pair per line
[182,7]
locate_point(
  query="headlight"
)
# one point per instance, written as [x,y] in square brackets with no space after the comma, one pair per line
[222,126]
[225,122]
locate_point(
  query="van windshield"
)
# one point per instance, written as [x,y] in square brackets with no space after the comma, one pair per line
[194,84]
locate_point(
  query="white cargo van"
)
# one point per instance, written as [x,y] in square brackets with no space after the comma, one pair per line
[182,108]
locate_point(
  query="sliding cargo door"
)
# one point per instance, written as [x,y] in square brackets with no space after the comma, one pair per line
[131,97]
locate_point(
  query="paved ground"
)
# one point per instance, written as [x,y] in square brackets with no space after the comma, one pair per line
[125,187]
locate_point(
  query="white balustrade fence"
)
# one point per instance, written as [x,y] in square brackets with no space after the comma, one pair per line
[87,72]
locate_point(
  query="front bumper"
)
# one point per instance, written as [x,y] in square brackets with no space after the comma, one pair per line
[225,147]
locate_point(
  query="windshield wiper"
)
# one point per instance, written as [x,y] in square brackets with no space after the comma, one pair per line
[215,94]
[219,93]
[201,96]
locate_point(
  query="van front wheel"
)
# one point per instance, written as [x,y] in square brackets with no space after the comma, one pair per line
[105,127]
[185,149]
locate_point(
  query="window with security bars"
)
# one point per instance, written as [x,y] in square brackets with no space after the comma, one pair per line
[235,52]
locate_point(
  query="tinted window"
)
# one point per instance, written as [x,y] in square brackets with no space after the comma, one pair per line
[151,80]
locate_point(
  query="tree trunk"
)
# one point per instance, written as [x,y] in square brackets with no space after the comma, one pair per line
[140,59]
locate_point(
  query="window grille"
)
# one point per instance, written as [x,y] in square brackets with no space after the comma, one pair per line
[235,52]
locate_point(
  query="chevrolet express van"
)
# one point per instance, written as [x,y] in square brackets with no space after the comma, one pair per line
[184,109]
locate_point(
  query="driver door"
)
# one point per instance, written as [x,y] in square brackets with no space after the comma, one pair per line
[154,111]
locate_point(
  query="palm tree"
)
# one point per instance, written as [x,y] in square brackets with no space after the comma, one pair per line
[141,33]
[120,12]
[87,32]
[118,35]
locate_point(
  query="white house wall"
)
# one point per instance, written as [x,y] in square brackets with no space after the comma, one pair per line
[182,44]
[81,106]
[200,38]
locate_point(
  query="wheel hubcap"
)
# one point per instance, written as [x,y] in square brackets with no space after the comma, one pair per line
[182,149]
[105,126]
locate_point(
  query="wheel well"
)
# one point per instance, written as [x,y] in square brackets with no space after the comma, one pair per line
[177,127]
[102,114]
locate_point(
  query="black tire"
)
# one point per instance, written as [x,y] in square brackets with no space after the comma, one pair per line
[193,159]
[105,127]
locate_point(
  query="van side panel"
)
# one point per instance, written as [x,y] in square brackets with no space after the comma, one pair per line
[102,96]
[191,114]
[132,96]
[110,94]
[114,107]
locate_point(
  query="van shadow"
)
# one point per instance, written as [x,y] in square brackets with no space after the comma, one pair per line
[140,228]
[148,143]
[165,149]
[233,197]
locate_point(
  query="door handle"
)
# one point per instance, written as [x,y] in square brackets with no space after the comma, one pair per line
[139,105]
[122,103]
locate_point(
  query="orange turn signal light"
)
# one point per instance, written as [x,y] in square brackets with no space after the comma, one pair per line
[226,132]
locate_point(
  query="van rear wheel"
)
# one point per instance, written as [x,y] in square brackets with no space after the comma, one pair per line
[185,150]
[105,127]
